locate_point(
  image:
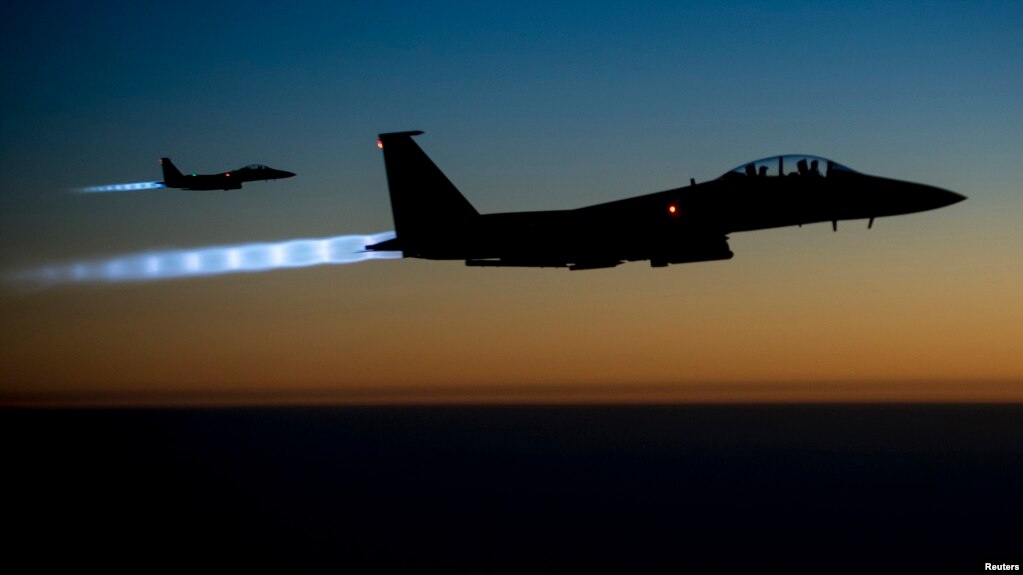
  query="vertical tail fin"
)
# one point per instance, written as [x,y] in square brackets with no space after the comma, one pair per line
[171,174]
[430,213]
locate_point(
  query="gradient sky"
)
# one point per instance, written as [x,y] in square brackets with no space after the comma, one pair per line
[526,107]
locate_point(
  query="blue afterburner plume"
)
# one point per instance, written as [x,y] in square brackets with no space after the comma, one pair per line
[158,265]
[122,187]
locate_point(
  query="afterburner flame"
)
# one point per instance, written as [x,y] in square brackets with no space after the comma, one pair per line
[255,257]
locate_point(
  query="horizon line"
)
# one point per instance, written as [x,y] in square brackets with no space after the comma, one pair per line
[734,393]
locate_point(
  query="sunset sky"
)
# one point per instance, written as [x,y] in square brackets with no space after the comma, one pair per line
[528,107]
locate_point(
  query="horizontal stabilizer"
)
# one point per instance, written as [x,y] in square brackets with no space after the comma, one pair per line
[543,263]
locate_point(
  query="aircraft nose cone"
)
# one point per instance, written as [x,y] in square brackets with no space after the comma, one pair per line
[946,197]
[286,174]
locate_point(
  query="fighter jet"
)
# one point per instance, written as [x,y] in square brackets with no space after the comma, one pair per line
[433,220]
[173,178]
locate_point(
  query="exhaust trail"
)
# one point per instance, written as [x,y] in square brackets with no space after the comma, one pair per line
[209,261]
[121,187]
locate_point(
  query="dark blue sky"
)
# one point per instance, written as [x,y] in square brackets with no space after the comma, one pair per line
[525,107]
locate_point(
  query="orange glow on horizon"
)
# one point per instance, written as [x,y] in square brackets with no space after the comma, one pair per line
[722,393]
[907,303]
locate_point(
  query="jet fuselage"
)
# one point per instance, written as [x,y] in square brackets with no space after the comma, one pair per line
[680,225]
[232,180]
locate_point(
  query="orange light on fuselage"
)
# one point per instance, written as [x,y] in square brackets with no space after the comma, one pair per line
[673,210]
[380,144]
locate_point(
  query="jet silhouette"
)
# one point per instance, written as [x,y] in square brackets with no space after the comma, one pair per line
[173,178]
[688,224]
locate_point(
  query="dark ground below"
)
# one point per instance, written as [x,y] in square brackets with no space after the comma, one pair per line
[808,488]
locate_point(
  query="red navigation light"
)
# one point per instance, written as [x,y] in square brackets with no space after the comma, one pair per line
[380,143]
[673,210]
[228,174]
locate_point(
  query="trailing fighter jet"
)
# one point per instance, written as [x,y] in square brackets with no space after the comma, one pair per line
[688,224]
[173,178]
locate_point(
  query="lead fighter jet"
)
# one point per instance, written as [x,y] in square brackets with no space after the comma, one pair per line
[688,224]
[233,180]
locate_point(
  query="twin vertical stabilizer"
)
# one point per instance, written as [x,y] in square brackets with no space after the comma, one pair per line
[171,174]
[429,211]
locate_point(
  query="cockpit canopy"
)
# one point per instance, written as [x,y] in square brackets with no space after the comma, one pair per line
[790,165]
